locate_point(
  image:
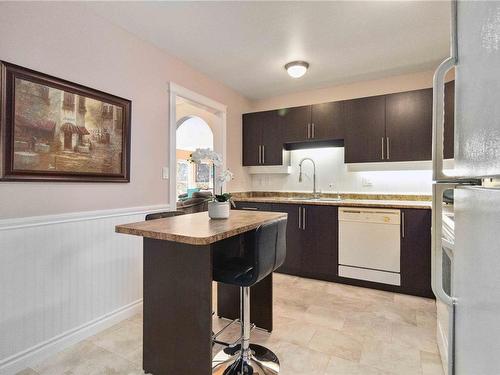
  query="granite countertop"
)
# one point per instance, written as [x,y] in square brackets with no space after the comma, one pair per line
[198,228]
[347,200]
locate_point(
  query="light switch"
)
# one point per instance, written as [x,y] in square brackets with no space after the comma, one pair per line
[164,173]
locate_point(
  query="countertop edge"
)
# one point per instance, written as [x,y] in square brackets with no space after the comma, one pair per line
[422,205]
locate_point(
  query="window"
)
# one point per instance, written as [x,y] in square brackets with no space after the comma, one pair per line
[192,133]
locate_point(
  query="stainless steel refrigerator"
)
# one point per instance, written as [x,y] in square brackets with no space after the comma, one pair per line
[466,198]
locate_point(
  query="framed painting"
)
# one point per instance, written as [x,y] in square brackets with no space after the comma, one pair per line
[55,130]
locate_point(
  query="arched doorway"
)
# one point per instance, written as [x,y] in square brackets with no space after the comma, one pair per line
[192,132]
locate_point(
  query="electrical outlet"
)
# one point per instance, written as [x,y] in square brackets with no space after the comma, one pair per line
[366,182]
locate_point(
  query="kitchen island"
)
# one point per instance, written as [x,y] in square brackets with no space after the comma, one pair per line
[178,253]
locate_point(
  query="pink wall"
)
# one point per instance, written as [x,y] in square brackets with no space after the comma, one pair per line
[382,86]
[69,41]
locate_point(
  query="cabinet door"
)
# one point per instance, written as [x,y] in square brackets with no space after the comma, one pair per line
[328,120]
[294,239]
[409,126]
[272,139]
[252,137]
[416,252]
[320,249]
[449,119]
[296,122]
[364,130]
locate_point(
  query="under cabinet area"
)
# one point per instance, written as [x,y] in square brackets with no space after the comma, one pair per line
[313,245]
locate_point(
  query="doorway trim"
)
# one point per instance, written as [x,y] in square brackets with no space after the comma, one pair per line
[220,110]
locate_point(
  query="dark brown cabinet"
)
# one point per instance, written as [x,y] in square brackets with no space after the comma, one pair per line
[385,128]
[416,252]
[311,238]
[365,130]
[327,121]
[315,122]
[320,249]
[295,240]
[262,138]
[408,126]
[296,123]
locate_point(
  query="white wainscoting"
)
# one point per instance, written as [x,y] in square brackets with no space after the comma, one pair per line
[63,278]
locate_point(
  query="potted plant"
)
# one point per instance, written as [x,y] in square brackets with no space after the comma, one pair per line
[219,206]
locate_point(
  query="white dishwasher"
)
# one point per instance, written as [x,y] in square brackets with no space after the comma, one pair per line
[370,245]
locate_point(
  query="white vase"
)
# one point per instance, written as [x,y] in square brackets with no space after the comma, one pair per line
[218,210]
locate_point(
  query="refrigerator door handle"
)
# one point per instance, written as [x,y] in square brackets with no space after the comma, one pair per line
[437,265]
[438,102]
[438,119]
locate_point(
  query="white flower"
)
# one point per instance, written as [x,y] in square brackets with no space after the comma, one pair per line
[225,176]
[217,159]
[205,154]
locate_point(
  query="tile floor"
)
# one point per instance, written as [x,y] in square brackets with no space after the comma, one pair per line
[320,329]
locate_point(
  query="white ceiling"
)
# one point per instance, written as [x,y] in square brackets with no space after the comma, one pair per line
[246,44]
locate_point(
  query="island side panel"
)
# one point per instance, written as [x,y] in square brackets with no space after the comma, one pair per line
[177,308]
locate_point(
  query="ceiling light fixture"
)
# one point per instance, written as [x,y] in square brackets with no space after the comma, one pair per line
[296,69]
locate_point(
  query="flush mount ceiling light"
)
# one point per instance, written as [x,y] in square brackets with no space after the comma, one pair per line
[296,69]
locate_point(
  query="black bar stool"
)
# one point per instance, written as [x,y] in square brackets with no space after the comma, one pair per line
[263,251]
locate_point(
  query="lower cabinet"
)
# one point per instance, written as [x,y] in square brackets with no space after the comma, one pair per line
[416,252]
[312,246]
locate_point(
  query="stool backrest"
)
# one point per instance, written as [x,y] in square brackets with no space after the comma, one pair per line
[162,215]
[269,248]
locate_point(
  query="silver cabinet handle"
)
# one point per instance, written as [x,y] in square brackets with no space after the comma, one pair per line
[304,219]
[263,154]
[403,229]
[300,217]
[258,161]
[249,208]
[382,149]
[388,148]
[308,131]
[313,130]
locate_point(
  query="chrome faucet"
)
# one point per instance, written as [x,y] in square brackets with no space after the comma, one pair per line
[315,194]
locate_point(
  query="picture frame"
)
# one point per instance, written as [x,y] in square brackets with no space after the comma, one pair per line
[55,130]
[202,173]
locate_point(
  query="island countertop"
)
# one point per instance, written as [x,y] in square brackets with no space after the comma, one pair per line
[199,229]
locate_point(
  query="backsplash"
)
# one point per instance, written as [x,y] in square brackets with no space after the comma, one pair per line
[333,176]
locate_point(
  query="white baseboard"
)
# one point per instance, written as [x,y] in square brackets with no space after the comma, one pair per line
[38,353]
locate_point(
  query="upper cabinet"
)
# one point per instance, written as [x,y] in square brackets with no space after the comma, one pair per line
[296,123]
[408,126]
[365,130]
[315,122]
[327,121]
[385,128]
[262,138]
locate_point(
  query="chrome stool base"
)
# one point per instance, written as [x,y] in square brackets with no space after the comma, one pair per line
[230,362]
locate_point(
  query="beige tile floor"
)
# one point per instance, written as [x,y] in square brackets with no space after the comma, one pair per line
[320,329]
